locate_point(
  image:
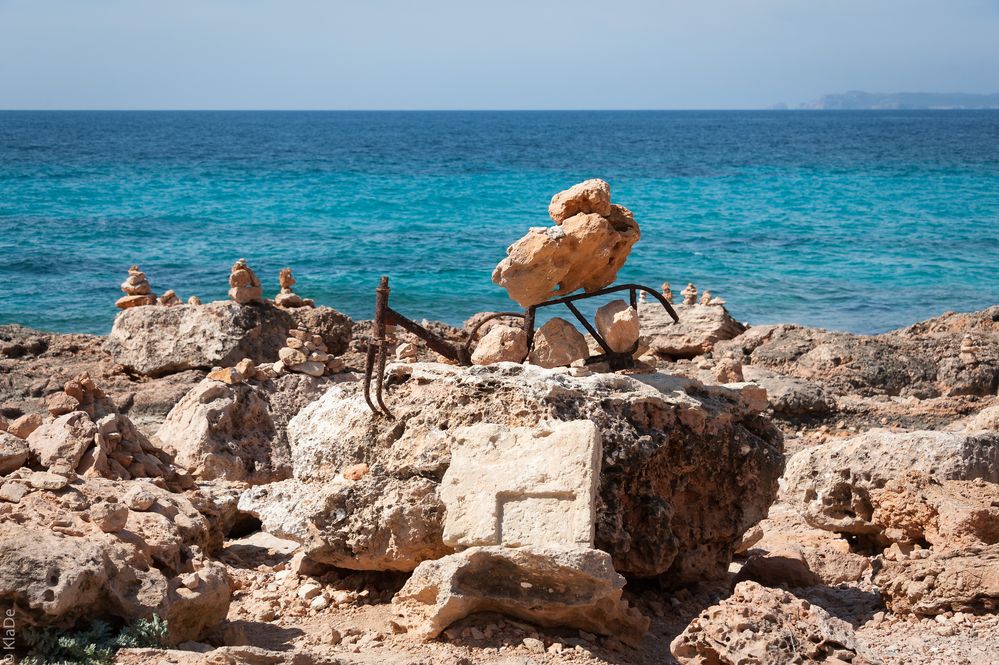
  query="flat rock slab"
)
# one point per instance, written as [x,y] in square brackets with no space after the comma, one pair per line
[571,587]
[522,486]
[699,329]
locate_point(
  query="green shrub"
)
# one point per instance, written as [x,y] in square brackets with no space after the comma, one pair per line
[95,644]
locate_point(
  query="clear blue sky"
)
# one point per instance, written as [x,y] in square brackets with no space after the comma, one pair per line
[472,54]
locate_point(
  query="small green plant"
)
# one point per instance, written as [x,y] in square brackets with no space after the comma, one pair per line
[95,644]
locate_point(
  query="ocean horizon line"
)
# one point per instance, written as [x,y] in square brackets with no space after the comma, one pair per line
[495,110]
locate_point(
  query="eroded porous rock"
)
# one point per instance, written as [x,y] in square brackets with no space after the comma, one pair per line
[589,196]
[791,397]
[700,328]
[13,453]
[686,469]
[501,343]
[550,586]
[958,581]
[585,251]
[831,485]
[64,439]
[374,523]
[160,340]
[758,625]
[947,514]
[64,559]
[923,360]
[237,431]
[557,344]
[522,486]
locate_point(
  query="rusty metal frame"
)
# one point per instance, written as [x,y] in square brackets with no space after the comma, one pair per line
[374,366]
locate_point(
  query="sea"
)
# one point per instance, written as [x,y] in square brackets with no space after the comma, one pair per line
[857,220]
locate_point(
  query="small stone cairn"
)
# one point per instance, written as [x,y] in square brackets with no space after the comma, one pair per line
[245,287]
[306,353]
[170,299]
[137,290]
[287,297]
[689,294]
[667,292]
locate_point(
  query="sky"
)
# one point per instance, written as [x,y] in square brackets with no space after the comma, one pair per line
[473,54]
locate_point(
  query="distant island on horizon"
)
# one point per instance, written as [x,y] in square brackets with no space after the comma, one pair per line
[856,100]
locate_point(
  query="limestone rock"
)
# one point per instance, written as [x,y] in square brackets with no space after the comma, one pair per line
[23,426]
[789,396]
[557,343]
[373,523]
[729,370]
[64,439]
[686,470]
[922,360]
[699,329]
[573,587]
[795,565]
[109,517]
[522,486]
[948,514]
[222,431]
[13,453]
[245,287]
[59,566]
[759,625]
[161,340]
[617,323]
[585,251]
[957,581]
[501,343]
[589,196]
[831,485]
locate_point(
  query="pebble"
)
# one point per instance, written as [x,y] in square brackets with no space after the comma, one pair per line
[319,603]
[43,480]
[534,645]
[309,591]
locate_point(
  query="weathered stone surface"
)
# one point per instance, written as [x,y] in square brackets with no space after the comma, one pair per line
[574,587]
[700,328]
[64,439]
[162,340]
[373,523]
[947,514]
[557,343]
[957,581]
[790,396]
[923,360]
[23,426]
[501,343]
[13,453]
[222,431]
[109,517]
[589,196]
[796,565]
[617,323]
[758,625]
[521,486]
[831,485]
[59,566]
[686,469]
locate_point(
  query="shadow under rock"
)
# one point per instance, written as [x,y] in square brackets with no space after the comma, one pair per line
[853,605]
[259,634]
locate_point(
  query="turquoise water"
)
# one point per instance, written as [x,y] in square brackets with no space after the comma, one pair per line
[861,221]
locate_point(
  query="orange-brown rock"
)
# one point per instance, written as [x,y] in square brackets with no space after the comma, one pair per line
[245,287]
[586,197]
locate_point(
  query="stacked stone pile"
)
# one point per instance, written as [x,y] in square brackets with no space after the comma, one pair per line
[137,290]
[287,297]
[244,286]
[306,353]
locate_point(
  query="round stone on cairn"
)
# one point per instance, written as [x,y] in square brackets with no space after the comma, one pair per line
[306,353]
[245,285]
[287,297]
[137,290]
[194,300]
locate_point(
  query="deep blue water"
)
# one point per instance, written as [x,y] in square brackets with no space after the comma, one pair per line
[861,221]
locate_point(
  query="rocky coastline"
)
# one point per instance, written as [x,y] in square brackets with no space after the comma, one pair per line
[737,494]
